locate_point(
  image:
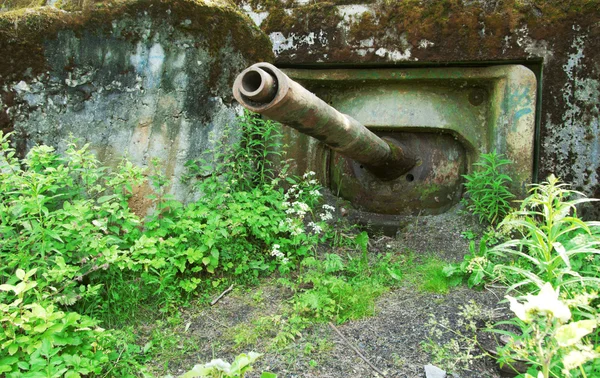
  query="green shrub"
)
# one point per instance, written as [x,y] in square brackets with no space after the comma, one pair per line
[552,250]
[39,340]
[487,188]
[66,219]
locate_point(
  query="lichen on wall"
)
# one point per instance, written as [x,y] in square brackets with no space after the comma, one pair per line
[143,79]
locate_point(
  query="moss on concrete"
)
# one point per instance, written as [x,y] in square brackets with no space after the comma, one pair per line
[19,4]
[313,17]
[23,31]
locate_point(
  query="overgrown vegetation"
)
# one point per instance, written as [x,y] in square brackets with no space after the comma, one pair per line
[486,187]
[548,258]
[73,251]
[79,268]
[75,257]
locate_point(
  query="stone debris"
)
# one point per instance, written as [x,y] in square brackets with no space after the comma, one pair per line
[432,371]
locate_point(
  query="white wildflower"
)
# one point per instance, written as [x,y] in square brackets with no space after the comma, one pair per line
[308,174]
[315,227]
[313,182]
[576,358]
[570,334]
[220,365]
[315,193]
[518,309]
[328,207]
[325,216]
[302,206]
[546,302]
[276,252]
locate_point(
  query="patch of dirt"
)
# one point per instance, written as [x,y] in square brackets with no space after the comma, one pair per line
[391,340]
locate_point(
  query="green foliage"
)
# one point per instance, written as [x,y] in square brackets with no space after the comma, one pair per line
[327,289]
[475,267]
[428,275]
[67,219]
[550,250]
[487,188]
[555,245]
[37,339]
[222,369]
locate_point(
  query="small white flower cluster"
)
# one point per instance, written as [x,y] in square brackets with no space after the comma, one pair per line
[277,253]
[315,228]
[315,193]
[478,261]
[294,226]
[328,213]
[296,208]
[308,175]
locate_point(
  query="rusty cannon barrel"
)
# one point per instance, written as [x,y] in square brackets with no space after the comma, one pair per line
[264,89]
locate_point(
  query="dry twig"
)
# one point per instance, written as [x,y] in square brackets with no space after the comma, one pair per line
[214,302]
[356,350]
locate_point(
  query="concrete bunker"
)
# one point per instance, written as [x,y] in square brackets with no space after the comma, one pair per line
[424,129]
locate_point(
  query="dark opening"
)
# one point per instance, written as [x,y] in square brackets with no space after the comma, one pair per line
[251,81]
[410,177]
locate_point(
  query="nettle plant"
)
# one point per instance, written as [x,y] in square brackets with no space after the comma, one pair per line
[37,339]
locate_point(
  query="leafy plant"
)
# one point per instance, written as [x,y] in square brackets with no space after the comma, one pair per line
[475,267]
[554,241]
[222,369]
[37,339]
[67,219]
[487,188]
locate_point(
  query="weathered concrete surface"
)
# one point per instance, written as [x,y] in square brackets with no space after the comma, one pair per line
[559,39]
[146,79]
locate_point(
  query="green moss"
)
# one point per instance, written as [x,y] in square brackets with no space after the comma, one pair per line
[306,19]
[477,29]
[20,4]
[23,32]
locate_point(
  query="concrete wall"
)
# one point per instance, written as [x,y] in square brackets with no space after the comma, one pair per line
[153,78]
[142,79]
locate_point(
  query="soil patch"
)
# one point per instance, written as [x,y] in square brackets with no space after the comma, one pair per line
[392,339]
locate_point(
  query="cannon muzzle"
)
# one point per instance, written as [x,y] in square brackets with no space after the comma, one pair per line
[264,89]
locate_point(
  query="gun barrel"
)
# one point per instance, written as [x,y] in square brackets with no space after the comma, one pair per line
[264,89]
